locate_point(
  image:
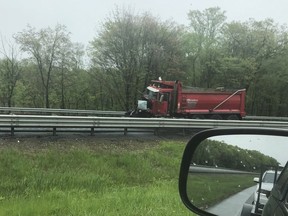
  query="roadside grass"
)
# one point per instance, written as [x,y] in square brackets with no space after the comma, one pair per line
[91,177]
[212,188]
[91,180]
[157,199]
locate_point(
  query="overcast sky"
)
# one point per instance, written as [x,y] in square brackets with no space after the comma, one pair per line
[83,17]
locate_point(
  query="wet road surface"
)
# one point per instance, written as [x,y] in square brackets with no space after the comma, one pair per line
[232,206]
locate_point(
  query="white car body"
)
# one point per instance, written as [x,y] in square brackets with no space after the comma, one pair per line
[266,187]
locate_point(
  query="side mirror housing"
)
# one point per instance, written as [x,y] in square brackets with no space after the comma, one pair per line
[256,179]
[217,158]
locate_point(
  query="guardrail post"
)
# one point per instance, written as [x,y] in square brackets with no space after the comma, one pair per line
[12,131]
[92,131]
[125,131]
[54,131]
[156,131]
[184,132]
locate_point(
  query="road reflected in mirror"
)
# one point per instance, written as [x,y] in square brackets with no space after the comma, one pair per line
[234,174]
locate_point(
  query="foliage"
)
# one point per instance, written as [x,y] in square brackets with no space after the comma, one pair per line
[131,49]
[10,69]
[204,53]
[50,50]
[219,154]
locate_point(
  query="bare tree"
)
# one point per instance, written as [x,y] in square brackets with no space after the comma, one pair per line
[10,70]
[44,47]
[70,62]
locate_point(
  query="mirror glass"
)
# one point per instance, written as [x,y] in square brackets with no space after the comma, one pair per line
[227,172]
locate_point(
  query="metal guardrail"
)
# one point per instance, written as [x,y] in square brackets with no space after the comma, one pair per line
[218,170]
[69,112]
[17,110]
[53,123]
[265,118]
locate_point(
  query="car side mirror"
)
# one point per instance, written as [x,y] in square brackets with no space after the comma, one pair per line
[218,166]
[256,179]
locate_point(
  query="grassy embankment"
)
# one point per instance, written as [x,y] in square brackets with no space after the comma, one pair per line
[90,176]
[216,187]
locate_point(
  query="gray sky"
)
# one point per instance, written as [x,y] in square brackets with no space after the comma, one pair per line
[83,17]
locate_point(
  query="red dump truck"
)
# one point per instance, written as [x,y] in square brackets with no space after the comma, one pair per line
[171,99]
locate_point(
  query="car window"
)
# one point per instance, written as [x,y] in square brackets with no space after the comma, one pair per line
[269,177]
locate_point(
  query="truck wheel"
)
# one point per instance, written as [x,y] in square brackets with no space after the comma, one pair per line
[233,117]
[216,117]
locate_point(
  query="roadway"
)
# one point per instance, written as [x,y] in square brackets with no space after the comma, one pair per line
[232,206]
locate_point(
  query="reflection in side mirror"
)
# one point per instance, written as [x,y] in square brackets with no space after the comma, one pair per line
[231,174]
[256,180]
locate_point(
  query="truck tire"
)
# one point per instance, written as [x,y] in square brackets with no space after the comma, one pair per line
[246,210]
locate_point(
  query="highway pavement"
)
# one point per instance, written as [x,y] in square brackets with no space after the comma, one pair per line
[232,206]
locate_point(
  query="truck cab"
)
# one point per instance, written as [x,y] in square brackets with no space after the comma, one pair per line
[157,99]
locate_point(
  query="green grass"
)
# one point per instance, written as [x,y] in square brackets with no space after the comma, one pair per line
[156,199]
[91,176]
[205,190]
[91,180]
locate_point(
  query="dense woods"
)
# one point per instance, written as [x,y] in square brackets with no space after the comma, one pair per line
[44,68]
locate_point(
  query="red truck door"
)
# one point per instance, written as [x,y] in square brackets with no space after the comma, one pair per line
[160,107]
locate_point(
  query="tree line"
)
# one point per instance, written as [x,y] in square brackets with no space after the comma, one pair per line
[44,68]
[219,154]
